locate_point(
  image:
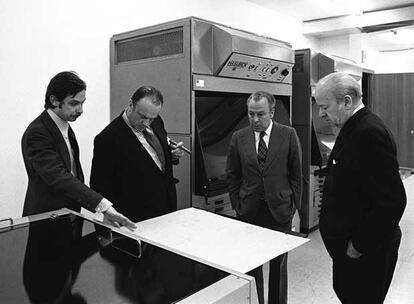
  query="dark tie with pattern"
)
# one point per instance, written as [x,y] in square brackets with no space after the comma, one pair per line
[156,145]
[261,151]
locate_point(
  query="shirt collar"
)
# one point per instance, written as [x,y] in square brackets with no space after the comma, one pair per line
[125,117]
[60,123]
[268,130]
[358,108]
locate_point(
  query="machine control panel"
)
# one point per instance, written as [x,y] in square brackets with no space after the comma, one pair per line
[255,68]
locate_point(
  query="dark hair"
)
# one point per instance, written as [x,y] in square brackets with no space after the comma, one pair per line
[148,91]
[262,94]
[64,84]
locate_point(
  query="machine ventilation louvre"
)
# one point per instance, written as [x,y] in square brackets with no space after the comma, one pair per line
[299,64]
[154,45]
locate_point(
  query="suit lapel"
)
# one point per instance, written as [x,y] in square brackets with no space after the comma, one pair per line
[136,150]
[249,143]
[57,136]
[275,144]
[155,126]
[345,133]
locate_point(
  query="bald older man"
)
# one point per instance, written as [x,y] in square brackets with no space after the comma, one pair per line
[364,197]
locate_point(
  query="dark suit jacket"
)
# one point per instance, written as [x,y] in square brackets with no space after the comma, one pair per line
[280,184]
[124,172]
[46,157]
[364,197]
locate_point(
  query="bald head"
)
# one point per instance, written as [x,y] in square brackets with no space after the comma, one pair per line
[340,84]
[337,95]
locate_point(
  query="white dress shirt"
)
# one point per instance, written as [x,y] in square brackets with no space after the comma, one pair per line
[266,137]
[358,108]
[144,142]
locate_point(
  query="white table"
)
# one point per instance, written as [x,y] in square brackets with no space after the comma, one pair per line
[215,240]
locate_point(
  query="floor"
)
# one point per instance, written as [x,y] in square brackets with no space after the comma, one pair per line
[309,266]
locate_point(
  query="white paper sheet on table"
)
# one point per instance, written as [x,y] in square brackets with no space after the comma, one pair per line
[215,240]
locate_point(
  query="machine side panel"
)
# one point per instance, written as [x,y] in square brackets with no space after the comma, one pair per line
[169,77]
[202,47]
[170,74]
[301,99]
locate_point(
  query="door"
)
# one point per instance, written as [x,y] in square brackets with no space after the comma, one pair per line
[392,98]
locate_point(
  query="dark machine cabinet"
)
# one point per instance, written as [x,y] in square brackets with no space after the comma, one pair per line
[302,122]
[316,136]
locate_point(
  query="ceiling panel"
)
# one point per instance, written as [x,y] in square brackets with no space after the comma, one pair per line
[381,39]
[317,9]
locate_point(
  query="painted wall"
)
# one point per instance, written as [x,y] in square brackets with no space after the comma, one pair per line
[43,37]
[351,46]
[346,46]
[390,62]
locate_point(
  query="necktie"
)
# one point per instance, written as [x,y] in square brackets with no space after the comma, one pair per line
[154,142]
[261,151]
[74,170]
[70,144]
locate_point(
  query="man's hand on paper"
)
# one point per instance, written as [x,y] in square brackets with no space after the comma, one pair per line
[114,218]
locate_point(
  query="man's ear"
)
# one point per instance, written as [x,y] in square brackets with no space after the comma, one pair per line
[130,106]
[54,101]
[348,102]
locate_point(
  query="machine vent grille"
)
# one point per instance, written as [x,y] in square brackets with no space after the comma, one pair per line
[299,66]
[154,45]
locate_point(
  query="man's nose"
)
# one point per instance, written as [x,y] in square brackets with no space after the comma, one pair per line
[321,112]
[80,109]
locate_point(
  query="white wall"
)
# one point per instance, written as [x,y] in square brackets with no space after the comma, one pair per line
[43,37]
[350,46]
[346,46]
[390,62]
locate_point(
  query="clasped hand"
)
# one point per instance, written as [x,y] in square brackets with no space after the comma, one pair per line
[352,252]
[176,152]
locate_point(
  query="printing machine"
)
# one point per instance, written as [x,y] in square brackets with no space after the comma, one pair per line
[206,71]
